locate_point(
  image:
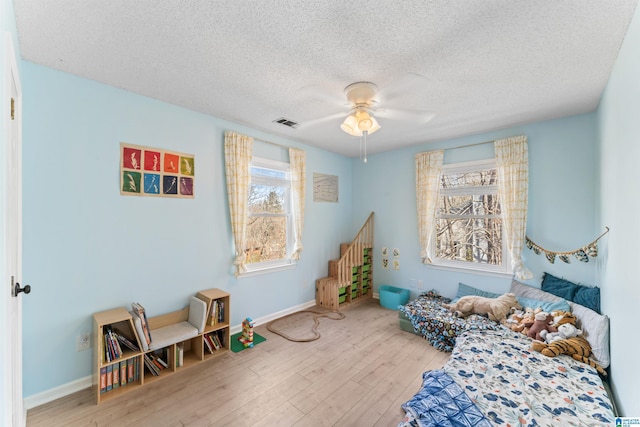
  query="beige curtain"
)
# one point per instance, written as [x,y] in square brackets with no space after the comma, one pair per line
[512,161]
[297,165]
[237,161]
[428,169]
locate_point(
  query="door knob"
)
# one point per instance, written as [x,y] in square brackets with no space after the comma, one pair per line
[17,289]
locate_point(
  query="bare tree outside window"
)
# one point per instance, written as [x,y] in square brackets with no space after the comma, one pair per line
[468,217]
[268,220]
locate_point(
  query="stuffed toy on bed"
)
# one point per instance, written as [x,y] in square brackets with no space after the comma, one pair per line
[521,321]
[541,323]
[565,330]
[576,347]
[496,309]
[560,317]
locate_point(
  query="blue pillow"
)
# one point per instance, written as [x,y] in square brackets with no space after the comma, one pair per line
[464,290]
[559,287]
[588,297]
[547,306]
[583,295]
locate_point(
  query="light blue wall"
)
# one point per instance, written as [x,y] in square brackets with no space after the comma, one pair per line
[87,249]
[561,202]
[619,149]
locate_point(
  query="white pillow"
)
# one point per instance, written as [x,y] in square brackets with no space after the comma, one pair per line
[595,328]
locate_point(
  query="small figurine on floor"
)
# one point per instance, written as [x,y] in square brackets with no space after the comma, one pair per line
[247,333]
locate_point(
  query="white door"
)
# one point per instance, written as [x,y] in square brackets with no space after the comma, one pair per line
[14,235]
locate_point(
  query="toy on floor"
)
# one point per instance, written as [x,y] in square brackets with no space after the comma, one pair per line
[247,333]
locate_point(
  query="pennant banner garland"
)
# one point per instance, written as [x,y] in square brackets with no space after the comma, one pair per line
[581,254]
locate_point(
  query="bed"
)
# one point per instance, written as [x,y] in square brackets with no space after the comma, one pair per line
[494,378]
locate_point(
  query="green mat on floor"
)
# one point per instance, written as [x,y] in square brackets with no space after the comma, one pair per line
[237,346]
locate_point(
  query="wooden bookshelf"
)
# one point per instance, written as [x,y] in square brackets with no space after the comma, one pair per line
[194,349]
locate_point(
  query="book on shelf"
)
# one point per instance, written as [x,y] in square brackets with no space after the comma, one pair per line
[216,341]
[151,367]
[216,313]
[220,311]
[162,362]
[122,339]
[179,354]
[222,336]
[116,375]
[213,313]
[130,370]
[109,377]
[116,344]
[208,343]
[103,379]
[142,314]
[123,372]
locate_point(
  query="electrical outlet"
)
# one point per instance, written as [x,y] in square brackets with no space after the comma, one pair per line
[420,284]
[83,342]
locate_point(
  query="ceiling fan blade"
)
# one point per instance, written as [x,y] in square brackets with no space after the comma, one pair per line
[319,120]
[405,114]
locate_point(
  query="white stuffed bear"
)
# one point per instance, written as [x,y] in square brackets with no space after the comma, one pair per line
[566,330]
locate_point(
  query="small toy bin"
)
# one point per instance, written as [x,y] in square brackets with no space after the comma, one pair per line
[391,297]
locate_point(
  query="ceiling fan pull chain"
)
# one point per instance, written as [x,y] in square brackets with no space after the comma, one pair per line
[364,135]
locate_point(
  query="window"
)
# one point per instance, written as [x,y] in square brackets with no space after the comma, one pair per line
[468,219]
[269,220]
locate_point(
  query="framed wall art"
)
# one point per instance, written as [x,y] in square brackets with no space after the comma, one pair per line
[325,188]
[149,171]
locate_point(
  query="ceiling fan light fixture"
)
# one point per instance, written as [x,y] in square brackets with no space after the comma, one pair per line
[358,122]
[350,126]
[374,126]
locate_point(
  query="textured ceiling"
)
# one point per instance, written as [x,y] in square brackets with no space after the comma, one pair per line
[444,68]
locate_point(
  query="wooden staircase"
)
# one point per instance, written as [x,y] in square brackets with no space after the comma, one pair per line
[350,279]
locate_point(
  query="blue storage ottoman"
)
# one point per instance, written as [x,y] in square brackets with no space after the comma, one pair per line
[391,297]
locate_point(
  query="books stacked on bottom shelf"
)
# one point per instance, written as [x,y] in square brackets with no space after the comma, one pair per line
[119,374]
[214,341]
[156,362]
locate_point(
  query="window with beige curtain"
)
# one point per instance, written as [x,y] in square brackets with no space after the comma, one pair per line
[273,207]
[473,215]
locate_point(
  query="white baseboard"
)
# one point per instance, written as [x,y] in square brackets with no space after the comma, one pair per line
[268,318]
[82,383]
[57,392]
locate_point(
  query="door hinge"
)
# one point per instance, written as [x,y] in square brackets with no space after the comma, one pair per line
[13,109]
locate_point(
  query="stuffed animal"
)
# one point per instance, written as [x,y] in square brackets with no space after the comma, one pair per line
[565,330]
[514,319]
[496,308]
[576,347]
[541,323]
[561,317]
[520,321]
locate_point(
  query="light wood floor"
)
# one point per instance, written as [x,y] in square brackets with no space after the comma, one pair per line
[357,374]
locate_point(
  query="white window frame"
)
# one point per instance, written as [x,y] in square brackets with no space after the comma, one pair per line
[487,269]
[286,263]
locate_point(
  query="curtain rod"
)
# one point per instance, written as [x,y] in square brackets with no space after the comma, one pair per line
[272,143]
[471,145]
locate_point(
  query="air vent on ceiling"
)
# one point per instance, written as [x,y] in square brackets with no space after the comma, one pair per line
[287,122]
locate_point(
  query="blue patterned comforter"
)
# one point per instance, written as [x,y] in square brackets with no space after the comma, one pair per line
[515,386]
[437,324]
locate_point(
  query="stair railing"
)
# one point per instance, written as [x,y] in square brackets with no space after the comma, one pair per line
[353,256]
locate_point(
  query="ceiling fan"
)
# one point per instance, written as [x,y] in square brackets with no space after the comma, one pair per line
[361,122]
